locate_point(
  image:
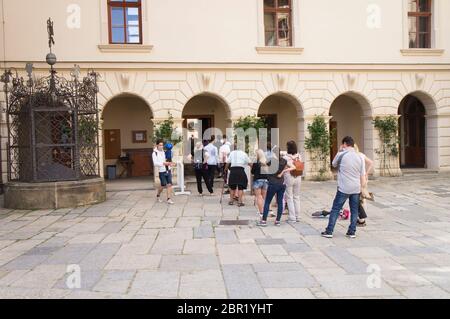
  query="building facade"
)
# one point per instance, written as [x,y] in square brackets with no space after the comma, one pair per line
[214,61]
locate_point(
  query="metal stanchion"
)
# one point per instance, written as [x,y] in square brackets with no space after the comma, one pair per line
[181,187]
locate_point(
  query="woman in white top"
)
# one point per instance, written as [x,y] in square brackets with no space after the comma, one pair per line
[292,183]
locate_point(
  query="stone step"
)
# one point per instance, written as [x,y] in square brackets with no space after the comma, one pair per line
[418,171]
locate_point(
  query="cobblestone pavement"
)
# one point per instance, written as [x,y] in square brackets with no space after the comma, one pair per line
[133,247]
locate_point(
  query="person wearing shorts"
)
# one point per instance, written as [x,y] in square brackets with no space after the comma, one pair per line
[237,182]
[260,183]
[164,169]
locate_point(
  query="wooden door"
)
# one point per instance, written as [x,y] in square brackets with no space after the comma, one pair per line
[113,147]
[415,135]
[142,163]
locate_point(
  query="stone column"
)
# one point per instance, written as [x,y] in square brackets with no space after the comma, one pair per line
[392,165]
[443,127]
[433,140]
[368,147]
[101,150]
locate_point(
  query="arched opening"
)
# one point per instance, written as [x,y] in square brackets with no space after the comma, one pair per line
[128,136]
[204,115]
[284,112]
[351,115]
[418,132]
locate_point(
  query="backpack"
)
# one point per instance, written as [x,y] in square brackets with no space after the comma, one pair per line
[299,167]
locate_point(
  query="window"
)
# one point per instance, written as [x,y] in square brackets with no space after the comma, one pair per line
[277,23]
[419,23]
[125,21]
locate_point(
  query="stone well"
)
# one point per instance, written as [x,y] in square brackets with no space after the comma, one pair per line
[54,195]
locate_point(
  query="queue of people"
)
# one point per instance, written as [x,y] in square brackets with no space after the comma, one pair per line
[276,175]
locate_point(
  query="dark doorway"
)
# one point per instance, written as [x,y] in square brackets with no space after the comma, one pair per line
[412,133]
[271,121]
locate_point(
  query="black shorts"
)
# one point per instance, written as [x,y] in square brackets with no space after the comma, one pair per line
[239,187]
[238,178]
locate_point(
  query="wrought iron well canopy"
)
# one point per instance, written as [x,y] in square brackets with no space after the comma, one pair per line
[52,124]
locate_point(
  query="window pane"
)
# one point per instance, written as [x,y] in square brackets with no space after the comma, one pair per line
[423,40]
[117,17]
[423,24]
[133,34]
[419,5]
[412,24]
[132,16]
[284,38]
[412,6]
[423,6]
[270,38]
[283,21]
[269,21]
[283,4]
[412,40]
[269,3]
[118,35]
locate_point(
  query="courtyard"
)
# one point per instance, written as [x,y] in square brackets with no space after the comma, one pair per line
[133,247]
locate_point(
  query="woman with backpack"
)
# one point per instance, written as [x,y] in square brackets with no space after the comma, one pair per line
[292,180]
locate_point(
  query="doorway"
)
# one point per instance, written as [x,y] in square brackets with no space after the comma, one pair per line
[412,130]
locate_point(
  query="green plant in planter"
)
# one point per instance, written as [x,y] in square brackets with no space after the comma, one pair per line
[318,144]
[166,131]
[88,130]
[249,122]
[388,133]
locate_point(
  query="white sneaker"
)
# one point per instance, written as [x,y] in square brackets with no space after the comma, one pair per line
[159,199]
[272,214]
[171,202]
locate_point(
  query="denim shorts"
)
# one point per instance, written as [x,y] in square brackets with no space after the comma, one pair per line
[165,178]
[261,184]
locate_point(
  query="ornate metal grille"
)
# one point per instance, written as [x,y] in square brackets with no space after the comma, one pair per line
[52,124]
[52,127]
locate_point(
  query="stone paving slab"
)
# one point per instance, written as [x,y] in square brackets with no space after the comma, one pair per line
[242,282]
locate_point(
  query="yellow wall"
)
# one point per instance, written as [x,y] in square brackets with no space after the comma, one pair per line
[128,114]
[224,31]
